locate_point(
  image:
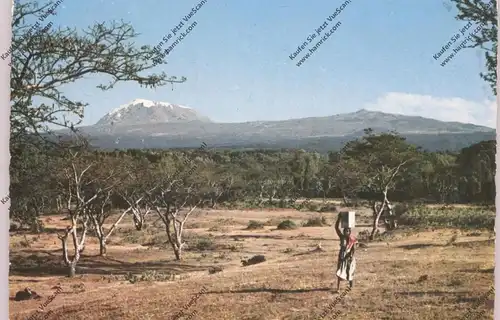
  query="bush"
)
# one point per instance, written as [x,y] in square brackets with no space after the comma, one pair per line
[316,222]
[150,275]
[253,225]
[218,229]
[287,225]
[310,206]
[272,222]
[401,208]
[449,217]
[145,237]
[363,236]
[204,244]
[329,207]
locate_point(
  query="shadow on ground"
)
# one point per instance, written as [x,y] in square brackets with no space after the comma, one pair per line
[270,290]
[465,244]
[49,263]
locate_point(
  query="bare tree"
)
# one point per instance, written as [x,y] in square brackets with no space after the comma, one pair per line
[80,189]
[174,204]
[100,210]
[137,184]
[382,181]
[216,189]
[216,180]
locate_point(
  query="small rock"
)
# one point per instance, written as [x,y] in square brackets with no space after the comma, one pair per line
[253,260]
[215,269]
[26,294]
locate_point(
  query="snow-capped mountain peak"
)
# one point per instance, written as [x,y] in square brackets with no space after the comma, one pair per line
[142,111]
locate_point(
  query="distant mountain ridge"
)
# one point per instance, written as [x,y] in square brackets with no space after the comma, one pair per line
[148,124]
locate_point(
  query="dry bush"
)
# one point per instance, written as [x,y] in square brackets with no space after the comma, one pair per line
[327,207]
[316,222]
[146,237]
[287,225]
[218,228]
[149,275]
[449,217]
[254,225]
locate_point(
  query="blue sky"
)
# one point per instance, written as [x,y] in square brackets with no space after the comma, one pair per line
[237,60]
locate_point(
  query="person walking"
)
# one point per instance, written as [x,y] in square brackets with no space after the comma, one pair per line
[346,264]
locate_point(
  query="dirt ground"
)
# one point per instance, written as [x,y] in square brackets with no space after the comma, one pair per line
[426,274]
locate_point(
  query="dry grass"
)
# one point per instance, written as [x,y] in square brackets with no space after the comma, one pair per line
[294,283]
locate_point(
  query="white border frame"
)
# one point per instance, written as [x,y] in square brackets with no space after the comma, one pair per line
[6,10]
[497,183]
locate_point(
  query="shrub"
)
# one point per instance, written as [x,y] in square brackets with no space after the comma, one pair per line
[401,208]
[149,275]
[218,229]
[272,222]
[363,236]
[449,217]
[287,225]
[316,222]
[328,207]
[253,225]
[204,244]
[311,206]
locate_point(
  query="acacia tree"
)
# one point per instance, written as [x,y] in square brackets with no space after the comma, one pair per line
[346,176]
[138,182]
[42,62]
[484,14]
[80,189]
[476,169]
[379,159]
[46,58]
[174,204]
[444,177]
[106,178]
[215,182]
[31,199]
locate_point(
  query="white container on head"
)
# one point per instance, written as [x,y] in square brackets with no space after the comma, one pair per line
[348,219]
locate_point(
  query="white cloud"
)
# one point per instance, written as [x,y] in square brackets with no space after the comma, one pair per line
[444,109]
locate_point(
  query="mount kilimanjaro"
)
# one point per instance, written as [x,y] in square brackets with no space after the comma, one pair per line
[150,124]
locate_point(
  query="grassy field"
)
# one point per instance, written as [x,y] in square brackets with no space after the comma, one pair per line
[413,273]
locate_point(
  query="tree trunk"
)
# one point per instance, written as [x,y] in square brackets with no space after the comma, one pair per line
[173,241]
[375,225]
[346,201]
[178,243]
[102,246]
[391,218]
[177,247]
[377,214]
[177,251]
[138,221]
[72,270]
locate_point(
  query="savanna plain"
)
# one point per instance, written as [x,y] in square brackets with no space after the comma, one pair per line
[408,273]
